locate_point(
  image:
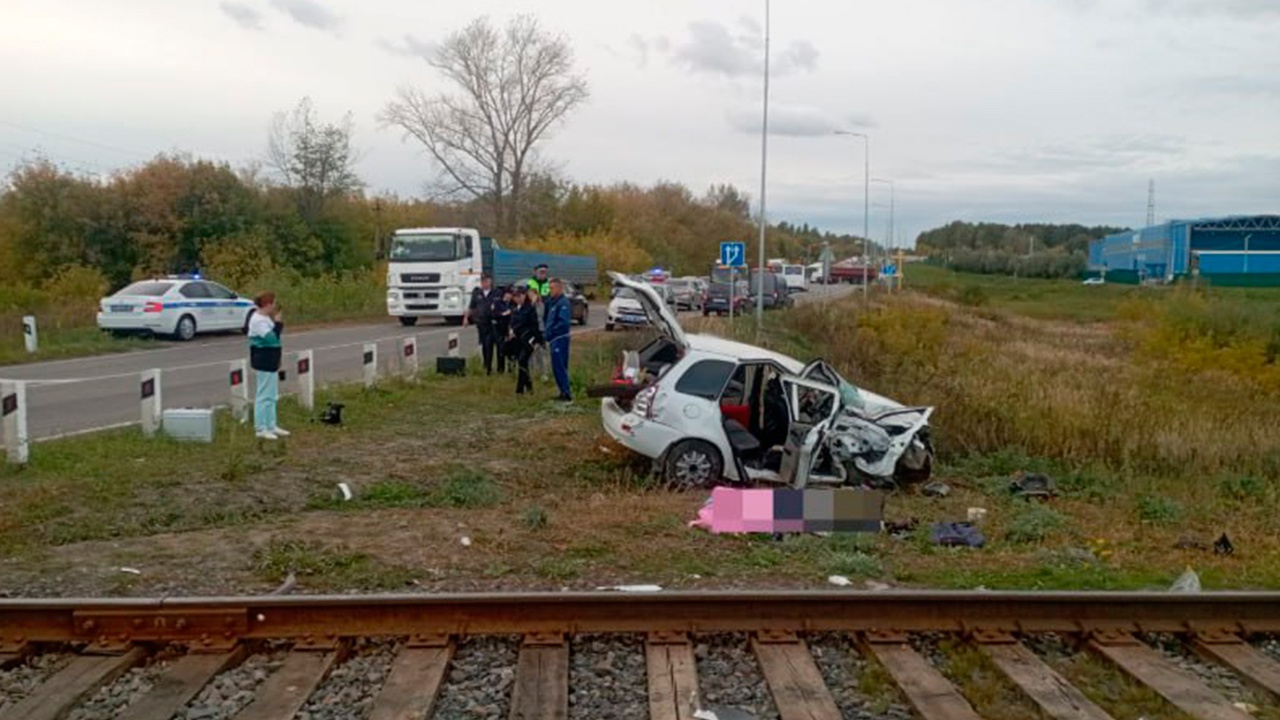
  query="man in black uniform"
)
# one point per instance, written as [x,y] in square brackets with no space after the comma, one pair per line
[480,313]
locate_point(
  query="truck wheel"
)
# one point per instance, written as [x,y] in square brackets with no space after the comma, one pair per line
[408,321]
[608,327]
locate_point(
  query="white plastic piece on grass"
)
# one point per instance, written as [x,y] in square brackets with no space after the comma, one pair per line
[346,491]
[466,541]
[977,514]
[633,588]
[1187,582]
[839,581]
[131,571]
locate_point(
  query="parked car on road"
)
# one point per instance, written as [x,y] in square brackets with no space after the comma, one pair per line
[625,309]
[716,300]
[175,306]
[686,292]
[706,408]
[776,294]
[578,304]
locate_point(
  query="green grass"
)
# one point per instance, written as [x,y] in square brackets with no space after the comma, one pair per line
[1059,299]
[324,567]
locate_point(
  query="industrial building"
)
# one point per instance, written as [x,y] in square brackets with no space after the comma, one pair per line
[1240,250]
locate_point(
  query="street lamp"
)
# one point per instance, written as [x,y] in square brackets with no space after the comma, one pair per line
[866,197]
[764,166]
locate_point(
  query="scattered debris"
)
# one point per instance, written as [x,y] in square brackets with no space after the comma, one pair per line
[346,491]
[901,530]
[956,534]
[1187,582]
[977,515]
[1190,542]
[466,541]
[839,581]
[1223,546]
[287,586]
[936,489]
[332,415]
[1029,485]
[604,449]
[633,588]
[131,571]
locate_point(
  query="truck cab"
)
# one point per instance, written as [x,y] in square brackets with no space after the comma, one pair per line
[432,271]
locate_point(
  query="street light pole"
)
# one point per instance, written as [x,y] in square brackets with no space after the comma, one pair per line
[764,166]
[866,199]
[892,193]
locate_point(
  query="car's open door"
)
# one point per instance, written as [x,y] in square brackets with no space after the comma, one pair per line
[811,406]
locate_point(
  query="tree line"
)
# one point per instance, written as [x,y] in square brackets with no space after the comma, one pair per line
[1027,250]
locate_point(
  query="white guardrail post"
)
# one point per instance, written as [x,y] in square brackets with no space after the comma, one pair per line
[29,335]
[453,344]
[409,357]
[151,402]
[13,403]
[239,390]
[306,380]
[370,364]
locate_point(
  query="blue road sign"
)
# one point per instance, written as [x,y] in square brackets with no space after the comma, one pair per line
[733,254]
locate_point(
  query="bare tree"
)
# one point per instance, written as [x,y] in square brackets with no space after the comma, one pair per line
[513,86]
[313,158]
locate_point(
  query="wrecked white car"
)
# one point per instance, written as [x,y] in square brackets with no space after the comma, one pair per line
[706,408]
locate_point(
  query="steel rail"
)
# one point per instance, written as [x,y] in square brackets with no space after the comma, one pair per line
[217,621]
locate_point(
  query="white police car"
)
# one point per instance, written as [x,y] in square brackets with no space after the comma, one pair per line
[176,306]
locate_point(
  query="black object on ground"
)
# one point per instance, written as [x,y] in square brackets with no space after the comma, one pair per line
[1033,485]
[332,415]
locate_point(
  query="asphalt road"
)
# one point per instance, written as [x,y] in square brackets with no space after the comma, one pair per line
[104,390]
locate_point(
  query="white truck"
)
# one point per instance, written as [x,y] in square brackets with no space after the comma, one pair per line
[432,271]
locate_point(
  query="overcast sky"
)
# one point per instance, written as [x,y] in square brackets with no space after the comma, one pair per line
[1000,110]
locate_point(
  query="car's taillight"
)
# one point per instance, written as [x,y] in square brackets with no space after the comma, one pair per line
[152,307]
[644,401]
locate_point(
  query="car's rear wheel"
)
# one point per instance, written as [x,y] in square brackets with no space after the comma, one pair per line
[693,465]
[408,321]
[186,328]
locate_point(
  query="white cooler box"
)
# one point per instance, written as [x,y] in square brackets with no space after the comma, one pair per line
[189,424]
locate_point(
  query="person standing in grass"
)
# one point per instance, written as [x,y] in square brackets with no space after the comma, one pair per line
[526,336]
[265,328]
[559,318]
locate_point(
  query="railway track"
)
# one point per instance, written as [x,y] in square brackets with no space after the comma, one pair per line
[665,656]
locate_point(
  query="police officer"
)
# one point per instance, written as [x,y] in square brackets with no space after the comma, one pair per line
[480,313]
[540,282]
[542,286]
[558,321]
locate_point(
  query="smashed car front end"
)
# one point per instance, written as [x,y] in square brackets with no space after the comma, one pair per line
[884,447]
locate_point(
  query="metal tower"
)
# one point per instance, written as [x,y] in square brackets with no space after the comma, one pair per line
[1151,203]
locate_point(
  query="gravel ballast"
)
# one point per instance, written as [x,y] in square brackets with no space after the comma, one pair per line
[729,676]
[607,678]
[841,665]
[229,692]
[20,681]
[480,679]
[349,690]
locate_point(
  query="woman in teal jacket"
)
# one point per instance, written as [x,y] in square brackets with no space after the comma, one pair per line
[265,328]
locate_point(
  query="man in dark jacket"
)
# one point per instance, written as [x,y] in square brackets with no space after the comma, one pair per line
[480,313]
[559,317]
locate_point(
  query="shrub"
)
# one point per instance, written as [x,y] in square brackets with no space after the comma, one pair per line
[1034,523]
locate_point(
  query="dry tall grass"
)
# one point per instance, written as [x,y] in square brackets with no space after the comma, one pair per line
[1086,394]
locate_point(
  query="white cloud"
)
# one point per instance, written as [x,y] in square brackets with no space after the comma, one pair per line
[309,13]
[1022,120]
[244,15]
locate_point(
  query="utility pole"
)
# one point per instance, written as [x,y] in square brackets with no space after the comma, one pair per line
[1151,202]
[866,200]
[764,166]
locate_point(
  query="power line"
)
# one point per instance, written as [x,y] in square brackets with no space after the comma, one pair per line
[72,138]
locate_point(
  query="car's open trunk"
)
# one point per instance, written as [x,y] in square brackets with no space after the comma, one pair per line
[636,369]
